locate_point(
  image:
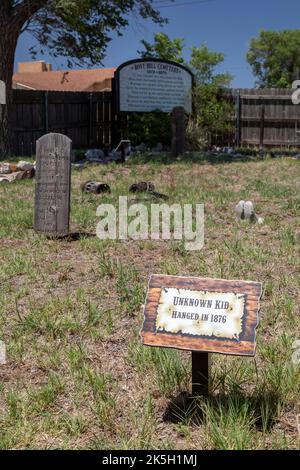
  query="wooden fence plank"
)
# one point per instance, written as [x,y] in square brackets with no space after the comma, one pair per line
[87,118]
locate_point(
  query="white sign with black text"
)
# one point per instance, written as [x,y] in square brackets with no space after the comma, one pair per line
[149,85]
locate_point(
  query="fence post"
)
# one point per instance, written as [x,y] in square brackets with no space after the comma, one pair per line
[201,373]
[178,131]
[262,126]
[238,119]
[46,112]
[90,131]
[115,120]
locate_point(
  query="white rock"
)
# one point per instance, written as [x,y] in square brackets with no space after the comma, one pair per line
[239,210]
[249,210]
[245,211]
[2,353]
[3,180]
[5,168]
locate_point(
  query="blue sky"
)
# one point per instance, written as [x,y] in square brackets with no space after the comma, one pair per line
[224,25]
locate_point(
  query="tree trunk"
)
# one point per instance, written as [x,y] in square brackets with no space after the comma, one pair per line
[9,33]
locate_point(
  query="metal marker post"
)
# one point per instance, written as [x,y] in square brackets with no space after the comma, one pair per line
[201,373]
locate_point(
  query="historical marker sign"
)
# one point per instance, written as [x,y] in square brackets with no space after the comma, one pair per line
[145,85]
[2,92]
[198,314]
[52,189]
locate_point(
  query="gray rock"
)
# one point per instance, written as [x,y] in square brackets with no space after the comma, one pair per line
[141,148]
[239,210]
[245,211]
[158,148]
[25,166]
[114,156]
[95,155]
[5,168]
[95,187]
[249,211]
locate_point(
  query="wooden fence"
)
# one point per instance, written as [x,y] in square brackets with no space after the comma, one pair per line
[264,117]
[84,117]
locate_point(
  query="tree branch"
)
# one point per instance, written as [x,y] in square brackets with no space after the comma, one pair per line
[6,6]
[25,10]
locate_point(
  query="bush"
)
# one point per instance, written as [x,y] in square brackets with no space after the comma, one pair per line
[150,128]
[196,137]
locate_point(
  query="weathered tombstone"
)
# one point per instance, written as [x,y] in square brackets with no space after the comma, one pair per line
[2,92]
[52,189]
[178,131]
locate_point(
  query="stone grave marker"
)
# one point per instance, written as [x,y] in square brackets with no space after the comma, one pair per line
[52,188]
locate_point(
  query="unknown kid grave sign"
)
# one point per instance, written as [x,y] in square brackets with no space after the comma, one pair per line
[145,85]
[52,189]
[204,316]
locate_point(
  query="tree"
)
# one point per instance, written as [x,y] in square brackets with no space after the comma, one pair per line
[213,109]
[163,48]
[275,59]
[78,30]
[204,62]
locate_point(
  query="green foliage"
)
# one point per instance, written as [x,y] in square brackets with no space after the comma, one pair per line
[77,30]
[212,109]
[150,128]
[196,137]
[203,62]
[81,30]
[163,48]
[274,58]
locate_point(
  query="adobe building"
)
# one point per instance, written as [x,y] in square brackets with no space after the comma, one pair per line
[38,75]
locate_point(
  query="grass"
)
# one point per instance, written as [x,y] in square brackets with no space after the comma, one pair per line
[77,375]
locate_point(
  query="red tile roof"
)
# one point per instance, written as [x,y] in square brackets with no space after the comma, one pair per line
[69,80]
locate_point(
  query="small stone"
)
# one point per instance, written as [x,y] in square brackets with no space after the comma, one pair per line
[25,166]
[249,211]
[95,187]
[158,148]
[141,148]
[245,211]
[142,187]
[5,168]
[95,155]
[239,210]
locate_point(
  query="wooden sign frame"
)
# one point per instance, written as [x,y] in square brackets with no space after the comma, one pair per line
[243,345]
[141,61]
